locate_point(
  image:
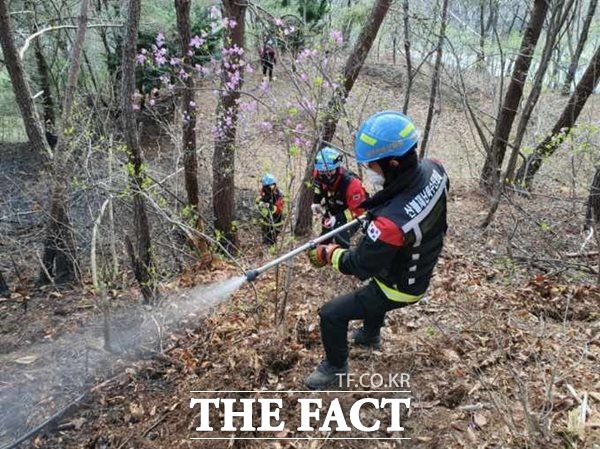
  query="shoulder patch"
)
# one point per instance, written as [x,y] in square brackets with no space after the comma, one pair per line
[373,231]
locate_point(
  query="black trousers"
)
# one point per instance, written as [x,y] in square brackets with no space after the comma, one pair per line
[368,303]
[266,65]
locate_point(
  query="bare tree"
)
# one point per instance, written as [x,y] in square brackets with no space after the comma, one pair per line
[563,125]
[490,173]
[560,12]
[579,50]
[14,66]
[335,106]
[45,77]
[227,115]
[409,70]
[60,255]
[141,257]
[435,79]
[592,216]
[188,106]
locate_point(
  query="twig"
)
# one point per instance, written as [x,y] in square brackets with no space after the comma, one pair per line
[45,269]
[58,27]
[50,420]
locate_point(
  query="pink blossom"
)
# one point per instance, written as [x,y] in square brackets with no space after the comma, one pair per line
[232,23]
[279,22]
[183,75]
[304,77]
[140,59]
[196,42]
[152,102]
[266,126]
[250,106]
[338,37]
[160,39]
[175,61]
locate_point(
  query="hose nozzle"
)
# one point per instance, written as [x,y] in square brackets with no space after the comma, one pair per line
[251,275]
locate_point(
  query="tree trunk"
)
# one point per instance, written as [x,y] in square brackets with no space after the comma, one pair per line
[14,66]
[579,49]
[592,213]
[226,125]
[188,106]
[190,164]
[141,257]
[60,248]
[47,99]
[335,106]
[409,69]
[481,54]
[490,174]
[561,128]
[558,20]
[435,79]
[4,289]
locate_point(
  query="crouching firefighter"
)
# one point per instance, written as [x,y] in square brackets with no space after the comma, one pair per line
[338,194]
[401,245]
[270,205]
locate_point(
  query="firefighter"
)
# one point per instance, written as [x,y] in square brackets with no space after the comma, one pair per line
[268,59]
[270,207]
[401,245]
[338,194]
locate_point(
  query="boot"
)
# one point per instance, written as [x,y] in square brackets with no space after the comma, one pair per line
[326,375]
[361,337]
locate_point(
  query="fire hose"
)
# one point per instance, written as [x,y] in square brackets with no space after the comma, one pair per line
[251,275]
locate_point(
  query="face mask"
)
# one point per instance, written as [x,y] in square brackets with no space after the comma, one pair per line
[376,179]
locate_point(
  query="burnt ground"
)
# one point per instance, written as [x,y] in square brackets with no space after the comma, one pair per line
[499,355]
[502,354]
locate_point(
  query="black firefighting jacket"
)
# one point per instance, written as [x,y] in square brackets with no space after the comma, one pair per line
[405,235]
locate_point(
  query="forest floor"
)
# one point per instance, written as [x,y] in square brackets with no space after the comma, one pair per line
[503,353]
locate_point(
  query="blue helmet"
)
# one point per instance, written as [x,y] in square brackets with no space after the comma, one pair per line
[327,159]
[268,180]
[385,134]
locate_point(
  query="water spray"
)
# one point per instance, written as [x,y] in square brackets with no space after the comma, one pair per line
[251,275]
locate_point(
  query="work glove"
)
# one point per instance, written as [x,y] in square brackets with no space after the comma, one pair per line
[322,254]
[264,208]
[316,208]
[329,222]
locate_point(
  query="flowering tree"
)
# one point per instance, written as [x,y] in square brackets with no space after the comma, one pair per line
[232,70]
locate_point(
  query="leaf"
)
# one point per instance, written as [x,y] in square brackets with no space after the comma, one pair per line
[28,359]
[480,419]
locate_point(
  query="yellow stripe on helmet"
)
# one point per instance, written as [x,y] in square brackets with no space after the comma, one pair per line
[407,130]
[368,139]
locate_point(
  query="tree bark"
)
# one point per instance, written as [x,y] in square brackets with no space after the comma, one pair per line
[44,76]
[335,106]
[60,248]
[4,289]
[592,213]
[557,22]
[190,164]
[188,106]
[490,174]
[561,128]
[409,69]
[226,125]
[435,79]
[579,49]
[141,257]
[14,66]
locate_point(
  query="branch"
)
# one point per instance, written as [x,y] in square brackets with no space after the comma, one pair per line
[58,27]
